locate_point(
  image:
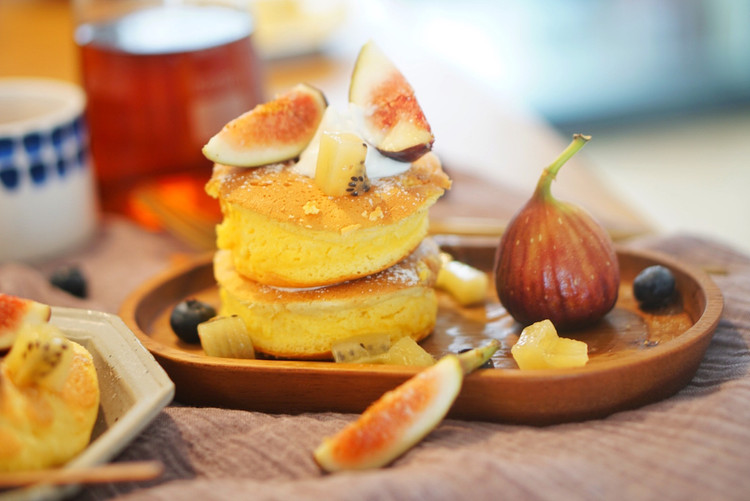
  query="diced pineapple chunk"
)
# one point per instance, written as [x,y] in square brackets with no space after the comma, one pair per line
[340,168]
[226,337]
[406,351]
[539,347]
[465,283]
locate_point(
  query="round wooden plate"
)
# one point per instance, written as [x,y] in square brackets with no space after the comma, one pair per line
[636,357]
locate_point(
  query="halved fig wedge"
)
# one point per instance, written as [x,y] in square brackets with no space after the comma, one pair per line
[17,311]
[395,422]
[272,132]
[401,417]
[395,123]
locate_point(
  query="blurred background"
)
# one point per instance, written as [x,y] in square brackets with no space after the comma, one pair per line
[663,86]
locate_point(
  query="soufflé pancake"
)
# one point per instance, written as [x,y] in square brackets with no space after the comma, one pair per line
[304,324]
[283,230]
[328,243]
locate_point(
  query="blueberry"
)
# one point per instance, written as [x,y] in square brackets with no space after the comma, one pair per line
[654,286]
[487,365]
[71,280]
[187,315]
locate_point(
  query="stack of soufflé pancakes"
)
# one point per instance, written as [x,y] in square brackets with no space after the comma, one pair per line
[325,215]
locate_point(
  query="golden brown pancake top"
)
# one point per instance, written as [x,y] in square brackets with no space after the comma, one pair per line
[281,194]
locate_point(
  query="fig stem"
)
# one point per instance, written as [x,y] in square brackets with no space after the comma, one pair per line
[549,174]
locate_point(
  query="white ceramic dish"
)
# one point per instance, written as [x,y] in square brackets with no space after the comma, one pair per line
[134,389]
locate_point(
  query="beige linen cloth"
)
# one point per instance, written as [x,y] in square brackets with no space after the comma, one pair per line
[692,446]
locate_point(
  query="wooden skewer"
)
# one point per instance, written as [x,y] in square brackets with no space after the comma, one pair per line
[114,472]
[469,226]
[489,227]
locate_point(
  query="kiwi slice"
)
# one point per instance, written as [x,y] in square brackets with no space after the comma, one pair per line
[361,349]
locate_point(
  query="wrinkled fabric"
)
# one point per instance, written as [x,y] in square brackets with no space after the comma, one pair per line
[692,446]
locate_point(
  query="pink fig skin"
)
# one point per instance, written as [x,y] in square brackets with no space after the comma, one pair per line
[410,154]
[381,89]
[556,262]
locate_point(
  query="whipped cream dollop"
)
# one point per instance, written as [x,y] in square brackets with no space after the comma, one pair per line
[350,119]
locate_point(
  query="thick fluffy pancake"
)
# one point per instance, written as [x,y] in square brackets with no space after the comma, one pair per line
[304,324]
[284,231]
[40,428]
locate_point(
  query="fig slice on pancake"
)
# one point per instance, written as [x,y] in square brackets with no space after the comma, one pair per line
[394,120]
[271,132]
[16,312]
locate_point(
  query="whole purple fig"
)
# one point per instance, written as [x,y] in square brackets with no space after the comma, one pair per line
[555,261]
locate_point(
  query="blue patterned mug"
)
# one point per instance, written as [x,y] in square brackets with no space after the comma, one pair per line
[47,200]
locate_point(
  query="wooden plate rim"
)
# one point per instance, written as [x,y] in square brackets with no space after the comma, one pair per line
[703,326]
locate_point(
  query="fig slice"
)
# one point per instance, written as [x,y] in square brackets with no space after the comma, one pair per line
[396,421]
[403,416]
[395,123]
[16,312]
[271,132]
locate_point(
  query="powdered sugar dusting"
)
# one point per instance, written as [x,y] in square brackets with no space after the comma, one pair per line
[401,274]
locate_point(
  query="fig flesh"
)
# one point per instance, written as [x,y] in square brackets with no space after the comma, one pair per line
[271,132]
[554,261]
[395,422]
[403,416]
[395,123]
